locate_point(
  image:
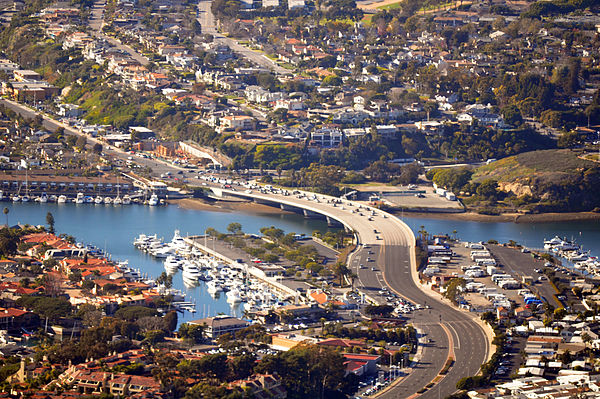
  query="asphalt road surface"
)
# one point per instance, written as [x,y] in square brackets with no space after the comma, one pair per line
[390,242]
[392,245]
[207,22]
[96,22]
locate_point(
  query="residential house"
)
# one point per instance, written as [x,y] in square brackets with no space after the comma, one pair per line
[242,122]
[216,326]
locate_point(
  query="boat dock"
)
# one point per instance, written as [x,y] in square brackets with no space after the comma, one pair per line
[254,272]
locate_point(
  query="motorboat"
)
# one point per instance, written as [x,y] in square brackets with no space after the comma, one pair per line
[153,201]
[107,200]
[191,272]
[79,199]
[213,287]
[234,296]
[43,198]
[16,198]
[98,200]
[25,198]
[52,198]
[117,201]
[172,264]
[61,199]
[88,199]
[126,200]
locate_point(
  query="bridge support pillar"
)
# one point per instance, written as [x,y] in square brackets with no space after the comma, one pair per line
[332,222]
[310,214]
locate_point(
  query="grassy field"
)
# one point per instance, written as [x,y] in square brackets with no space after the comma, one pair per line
[390,6]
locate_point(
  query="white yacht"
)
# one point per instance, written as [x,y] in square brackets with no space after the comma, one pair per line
[117,201]
[213,287]
[126,200]
[191,272]
[25,198]
[61,199]
[79,199]
[107,200]
[1,195]
[52,198]
[88,199]
[153,201]
[98,200]
[171,264]
[16,198]
[234,296]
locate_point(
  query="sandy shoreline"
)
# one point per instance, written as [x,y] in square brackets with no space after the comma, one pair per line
[223,206]
[251,207]
[512,218]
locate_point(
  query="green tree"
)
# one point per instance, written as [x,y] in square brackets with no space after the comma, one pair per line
[50,222]
[512,115]
[488,189]
[170,320]
[453,289]
[81,143]
[306,371]
[190,332]
[234,228]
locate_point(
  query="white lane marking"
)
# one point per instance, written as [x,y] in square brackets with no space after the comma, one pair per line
[457,342]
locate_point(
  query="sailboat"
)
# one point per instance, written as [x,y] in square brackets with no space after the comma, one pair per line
[26,198]
[117,200]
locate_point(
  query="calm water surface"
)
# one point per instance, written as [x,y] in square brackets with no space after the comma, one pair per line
[114,229]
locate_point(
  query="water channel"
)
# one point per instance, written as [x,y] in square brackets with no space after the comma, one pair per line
[114,228]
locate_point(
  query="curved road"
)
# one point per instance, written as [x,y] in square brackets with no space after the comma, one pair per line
[394,262]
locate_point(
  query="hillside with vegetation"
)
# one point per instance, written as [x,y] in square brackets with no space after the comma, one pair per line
[549,180]
[536,181]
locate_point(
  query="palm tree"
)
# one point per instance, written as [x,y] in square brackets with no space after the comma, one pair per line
[353,277]
[423,233]
[340,270]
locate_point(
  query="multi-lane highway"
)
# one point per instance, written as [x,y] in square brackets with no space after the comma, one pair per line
[386,251]
[388,258]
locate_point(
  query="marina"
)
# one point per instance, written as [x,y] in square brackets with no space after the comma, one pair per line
[242,283]
[112,229]
[574,254]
